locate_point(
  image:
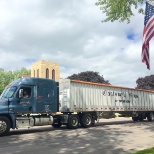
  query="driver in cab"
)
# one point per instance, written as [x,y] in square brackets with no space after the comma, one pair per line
[26,94]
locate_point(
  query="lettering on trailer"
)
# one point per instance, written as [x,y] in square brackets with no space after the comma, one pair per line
[113,93]
[123,101]
[121,95]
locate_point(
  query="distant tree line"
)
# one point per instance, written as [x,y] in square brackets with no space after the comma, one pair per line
[8,76]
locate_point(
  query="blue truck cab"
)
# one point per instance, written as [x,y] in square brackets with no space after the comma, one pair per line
[28,102]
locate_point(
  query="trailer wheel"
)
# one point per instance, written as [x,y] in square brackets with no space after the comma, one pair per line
[73,121]
[86,120]
[5,126]
[150,116]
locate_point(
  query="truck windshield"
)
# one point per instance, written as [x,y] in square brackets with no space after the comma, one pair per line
[8,92]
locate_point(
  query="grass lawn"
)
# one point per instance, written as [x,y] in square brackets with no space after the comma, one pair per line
[146,151]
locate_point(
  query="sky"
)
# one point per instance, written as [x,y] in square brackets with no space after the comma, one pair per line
[71,33]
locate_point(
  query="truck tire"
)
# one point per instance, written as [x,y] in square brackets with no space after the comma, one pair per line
[73,121]
[86,120]
[150,116]
[5,126]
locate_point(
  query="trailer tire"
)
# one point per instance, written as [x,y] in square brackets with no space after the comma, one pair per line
[73,121]
[150,116]
[86,120]
[5,126]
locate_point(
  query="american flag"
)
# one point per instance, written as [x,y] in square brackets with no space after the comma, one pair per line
[148,32]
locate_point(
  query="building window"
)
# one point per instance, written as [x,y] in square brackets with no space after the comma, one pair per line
[47,73]
[53,74]
[38,73]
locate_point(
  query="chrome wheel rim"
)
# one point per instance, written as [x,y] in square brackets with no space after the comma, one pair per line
[74,121]
[88,120]
[3,126]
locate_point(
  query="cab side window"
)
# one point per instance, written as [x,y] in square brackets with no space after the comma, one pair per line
[26,92]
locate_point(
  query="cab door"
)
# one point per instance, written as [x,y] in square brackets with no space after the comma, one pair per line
[24,104]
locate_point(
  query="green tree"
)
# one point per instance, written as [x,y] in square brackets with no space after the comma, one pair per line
[2,80]
[89,76]
[18,73]
[8,76]
[119,9]
[145,83]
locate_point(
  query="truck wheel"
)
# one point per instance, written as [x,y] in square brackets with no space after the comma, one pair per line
[150,116]
[86,120]
[56,125]
[5,126]
[73,121]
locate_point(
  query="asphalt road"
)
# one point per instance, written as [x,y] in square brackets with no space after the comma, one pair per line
[111,136]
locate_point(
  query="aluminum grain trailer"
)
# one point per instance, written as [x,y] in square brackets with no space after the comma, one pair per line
[92,101]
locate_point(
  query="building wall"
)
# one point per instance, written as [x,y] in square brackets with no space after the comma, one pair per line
[46,69]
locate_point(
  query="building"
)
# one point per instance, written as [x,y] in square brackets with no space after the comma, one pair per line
[46,69]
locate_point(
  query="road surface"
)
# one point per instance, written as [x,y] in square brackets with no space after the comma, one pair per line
[110,136]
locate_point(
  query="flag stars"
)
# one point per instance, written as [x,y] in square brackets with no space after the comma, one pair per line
[149,12]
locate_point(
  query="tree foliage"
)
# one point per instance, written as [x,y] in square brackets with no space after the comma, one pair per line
[8,76]
[119,9]
[145,83]
[89,76]
[18,73]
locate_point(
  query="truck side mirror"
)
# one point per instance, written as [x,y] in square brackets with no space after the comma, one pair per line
[20,93]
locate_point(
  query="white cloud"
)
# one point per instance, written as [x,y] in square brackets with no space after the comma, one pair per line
[71,33]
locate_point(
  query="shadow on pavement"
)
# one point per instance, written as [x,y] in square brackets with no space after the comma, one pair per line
[100,139]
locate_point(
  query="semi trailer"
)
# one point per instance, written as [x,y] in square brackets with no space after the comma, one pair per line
[69,102]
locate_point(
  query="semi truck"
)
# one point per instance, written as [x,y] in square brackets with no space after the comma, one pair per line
[69,102]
